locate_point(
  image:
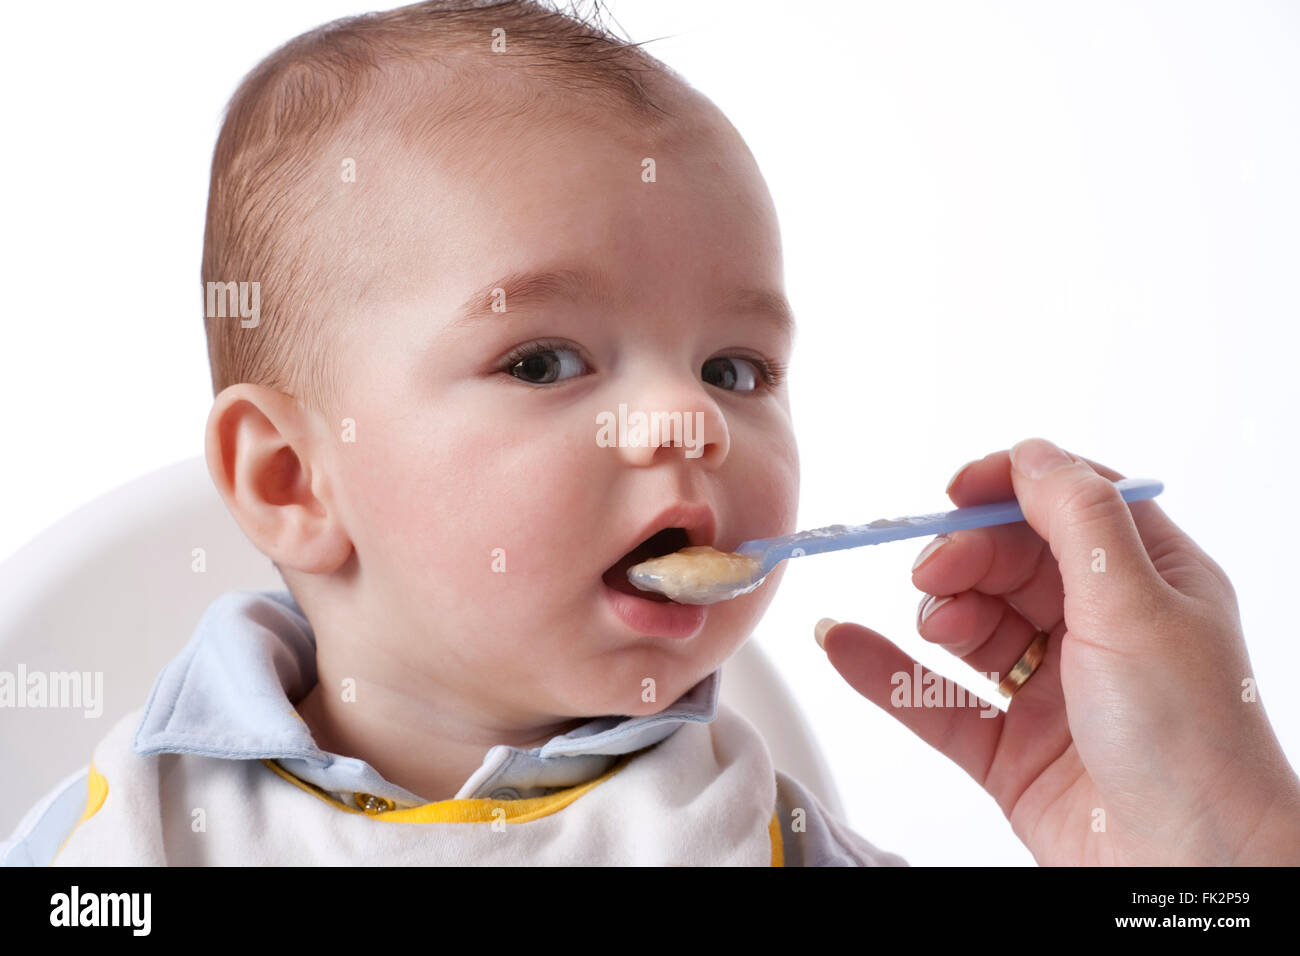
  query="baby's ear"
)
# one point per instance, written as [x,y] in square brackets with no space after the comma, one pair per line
[261,456]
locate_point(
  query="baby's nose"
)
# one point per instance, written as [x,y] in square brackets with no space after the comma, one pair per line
[643,435]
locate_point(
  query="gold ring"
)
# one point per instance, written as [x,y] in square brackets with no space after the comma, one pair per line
[1025,667]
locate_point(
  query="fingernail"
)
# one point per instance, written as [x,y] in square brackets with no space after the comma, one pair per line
[930,549]
[957,474]
[1035,457]
[819,632]
[929,604]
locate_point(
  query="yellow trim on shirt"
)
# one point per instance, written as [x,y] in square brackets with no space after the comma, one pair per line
[483,811]
[466,811]
[96,793]
[778,846]
[442,811]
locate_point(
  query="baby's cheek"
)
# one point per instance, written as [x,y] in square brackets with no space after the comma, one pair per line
[405,530]
[767,485]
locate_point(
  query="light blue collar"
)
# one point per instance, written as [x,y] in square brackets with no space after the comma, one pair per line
[230,693]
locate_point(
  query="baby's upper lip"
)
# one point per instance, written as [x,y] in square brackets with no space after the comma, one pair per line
[695,518]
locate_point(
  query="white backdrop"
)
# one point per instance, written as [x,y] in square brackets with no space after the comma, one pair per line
[1074,220]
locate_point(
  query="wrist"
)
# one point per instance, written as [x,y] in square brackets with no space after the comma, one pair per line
[1256,822]
[1275,840]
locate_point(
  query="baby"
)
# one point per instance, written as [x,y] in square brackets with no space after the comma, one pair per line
[446,243]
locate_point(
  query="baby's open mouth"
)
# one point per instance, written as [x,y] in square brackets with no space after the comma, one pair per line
[663,542]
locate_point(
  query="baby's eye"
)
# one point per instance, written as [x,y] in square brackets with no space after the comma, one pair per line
[732,373]
[542,364]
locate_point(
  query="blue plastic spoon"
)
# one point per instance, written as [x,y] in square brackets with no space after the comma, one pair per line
[704,576]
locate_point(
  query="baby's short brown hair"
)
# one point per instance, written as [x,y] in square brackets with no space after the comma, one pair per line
[273,171]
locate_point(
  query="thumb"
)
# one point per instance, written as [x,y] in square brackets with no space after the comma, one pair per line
[1108,576]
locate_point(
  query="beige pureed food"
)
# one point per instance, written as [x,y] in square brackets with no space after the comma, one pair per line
[698,575]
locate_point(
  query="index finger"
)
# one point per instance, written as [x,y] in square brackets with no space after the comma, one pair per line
[988,479]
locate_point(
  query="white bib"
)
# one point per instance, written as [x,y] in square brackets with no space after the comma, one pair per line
[705,795]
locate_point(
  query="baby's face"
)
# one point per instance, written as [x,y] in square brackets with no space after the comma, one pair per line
[490,491]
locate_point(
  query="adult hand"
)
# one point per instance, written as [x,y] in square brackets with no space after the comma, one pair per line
[1138,740]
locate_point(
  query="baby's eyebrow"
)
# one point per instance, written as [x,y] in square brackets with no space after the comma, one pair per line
[536,287]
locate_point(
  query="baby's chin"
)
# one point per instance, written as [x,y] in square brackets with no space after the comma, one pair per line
[619,692]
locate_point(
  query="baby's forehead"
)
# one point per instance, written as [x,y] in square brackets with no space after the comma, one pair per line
[403,148]
[415,156]
[397,171]
[497,137]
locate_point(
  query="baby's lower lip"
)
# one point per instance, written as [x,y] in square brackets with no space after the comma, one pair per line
[656,618]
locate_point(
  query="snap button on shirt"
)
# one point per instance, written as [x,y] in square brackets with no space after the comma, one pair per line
[373,804]
[505,793]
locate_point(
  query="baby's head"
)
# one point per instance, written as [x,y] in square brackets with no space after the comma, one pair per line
[485,240]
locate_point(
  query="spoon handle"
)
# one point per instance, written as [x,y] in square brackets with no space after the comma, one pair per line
[837,537]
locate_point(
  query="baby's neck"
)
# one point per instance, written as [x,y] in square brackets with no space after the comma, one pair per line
[426,749]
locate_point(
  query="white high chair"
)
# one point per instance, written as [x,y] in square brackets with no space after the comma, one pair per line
[111,588]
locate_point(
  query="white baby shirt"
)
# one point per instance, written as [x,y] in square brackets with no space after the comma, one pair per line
[217,768]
